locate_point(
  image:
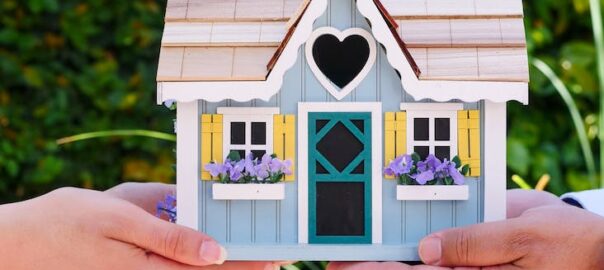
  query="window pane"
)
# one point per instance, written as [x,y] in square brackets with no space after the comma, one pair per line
[360,169]
[340,209]
[238,133]
[442,128]
[320,169]
[360,124]
[258,133]
[421,129]
[443,152]
[258,153]
[422,151]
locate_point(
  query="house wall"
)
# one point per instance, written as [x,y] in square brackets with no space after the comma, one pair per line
[275,222]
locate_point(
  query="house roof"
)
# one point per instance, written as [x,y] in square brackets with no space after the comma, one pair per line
[222,41]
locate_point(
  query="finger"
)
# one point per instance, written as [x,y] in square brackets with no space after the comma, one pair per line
[485,244]
[367,266]
[519,200]
[157,262]
[143,195]
[169,240]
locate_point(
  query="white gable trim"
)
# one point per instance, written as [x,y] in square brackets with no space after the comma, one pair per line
[437,90]
[469,91]
[247,90]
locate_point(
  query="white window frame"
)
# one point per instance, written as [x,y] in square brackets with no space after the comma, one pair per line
[432,111]
[247,115]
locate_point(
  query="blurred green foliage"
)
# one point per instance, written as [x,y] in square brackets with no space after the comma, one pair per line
[68,67]
[541,137]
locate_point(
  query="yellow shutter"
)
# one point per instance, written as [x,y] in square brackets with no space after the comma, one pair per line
[211,142]
[284,140]
[395,136]
[468,125]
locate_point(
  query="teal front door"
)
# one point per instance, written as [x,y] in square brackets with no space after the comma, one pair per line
[339,177]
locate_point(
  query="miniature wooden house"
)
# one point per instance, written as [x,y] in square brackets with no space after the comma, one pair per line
[340,88]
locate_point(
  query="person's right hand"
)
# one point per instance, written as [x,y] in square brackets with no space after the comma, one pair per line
[82,229]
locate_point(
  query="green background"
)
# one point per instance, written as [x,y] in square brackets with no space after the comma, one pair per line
[68,67]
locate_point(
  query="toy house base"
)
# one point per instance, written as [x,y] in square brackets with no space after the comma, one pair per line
[375,252]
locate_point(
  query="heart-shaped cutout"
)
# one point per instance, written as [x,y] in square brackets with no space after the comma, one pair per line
[340,59]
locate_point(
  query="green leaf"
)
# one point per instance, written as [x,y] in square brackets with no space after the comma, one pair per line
[457,162]
[465,169]
[234,156]
[415,157]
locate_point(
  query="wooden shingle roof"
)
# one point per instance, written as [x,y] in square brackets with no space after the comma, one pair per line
[234,40]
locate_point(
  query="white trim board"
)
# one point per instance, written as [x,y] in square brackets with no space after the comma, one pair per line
[248,110]
[187,164]
[431,106]
[437,90]
[339,94]
[494,169]
[376,161]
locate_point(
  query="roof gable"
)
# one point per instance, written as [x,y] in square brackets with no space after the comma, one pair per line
[442,51]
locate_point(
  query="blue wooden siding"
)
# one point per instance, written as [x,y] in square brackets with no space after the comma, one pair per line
[270,222]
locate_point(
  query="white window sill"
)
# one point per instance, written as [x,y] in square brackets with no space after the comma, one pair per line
[432,193]
[273,192]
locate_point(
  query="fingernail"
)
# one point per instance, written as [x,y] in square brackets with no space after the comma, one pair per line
[212,252]
[430,250]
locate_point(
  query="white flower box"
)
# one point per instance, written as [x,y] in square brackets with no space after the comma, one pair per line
[432,193]
[248,191]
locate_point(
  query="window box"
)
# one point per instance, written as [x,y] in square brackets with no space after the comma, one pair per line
[248,191]
[432,193]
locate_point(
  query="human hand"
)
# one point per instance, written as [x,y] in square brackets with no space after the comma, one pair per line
[81,229]
[546,237]
[520,200]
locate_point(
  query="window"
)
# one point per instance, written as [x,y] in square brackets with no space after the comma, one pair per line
[432,128]
[248,130]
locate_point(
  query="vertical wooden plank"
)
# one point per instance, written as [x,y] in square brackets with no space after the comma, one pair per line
[341,13]
[393,226]
[474,131]
[467,211]
[215,214]
[313,90]
[265,222]
[206,145]
[217,154]
[187,163]
[389,137]
[495,174]
[290,144]
[401,133]
[416,221]
[278,138]
[241,222]
[441,215]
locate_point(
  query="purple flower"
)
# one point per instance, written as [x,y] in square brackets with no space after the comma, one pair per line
[423,177]
[236,171]
[168,103]
[399,166]
[216,169]
[430,164]
[456,175]
[168,206]
[249,165]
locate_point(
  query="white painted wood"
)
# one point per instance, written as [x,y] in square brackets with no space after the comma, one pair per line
[494,168]
[248,110]
[512,31]
[248,119]
[450,7]
[432,143]
[425,31]
[431,106]
[432,193]
[437,90]
[254,9]
[450,63]
[503,63]
[248,191]
[499,7]
[376,160]
[186,33]
[272,31]
[211,10]
[187,164]
[334,90]
[406,8]
[476,31]
[235,32]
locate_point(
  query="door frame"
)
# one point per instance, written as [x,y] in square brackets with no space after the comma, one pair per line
[375,108]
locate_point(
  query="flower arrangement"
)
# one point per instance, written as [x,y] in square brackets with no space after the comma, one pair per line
[168,207]
[411,170]
[267,170]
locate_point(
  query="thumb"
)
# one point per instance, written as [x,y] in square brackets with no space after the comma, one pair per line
[485,244]
[175,242]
